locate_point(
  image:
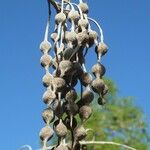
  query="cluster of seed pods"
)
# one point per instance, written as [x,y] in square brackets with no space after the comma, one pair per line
[72,37]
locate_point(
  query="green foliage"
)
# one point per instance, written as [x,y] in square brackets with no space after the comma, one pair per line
[120,120]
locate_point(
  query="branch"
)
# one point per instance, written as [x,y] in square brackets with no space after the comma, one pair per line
[105,142]
[56,6]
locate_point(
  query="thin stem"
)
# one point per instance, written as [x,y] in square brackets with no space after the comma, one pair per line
[62,5]
[105,142]
[100,29]
[80,11]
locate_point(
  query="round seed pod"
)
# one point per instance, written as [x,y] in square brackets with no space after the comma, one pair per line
[60,18]
[98,70]
[85,112]
[48,115]
[80,133]
[70,37]
[61,129]
[59,84]
[72,108]
[98,85]
[92,37]
[46,133]
[84,7]
[48,97]
[101,101]
[86,78]
[67,122]
[83,23]
[45,46]
[105,90]
[78,68]
[54,36]
[87,96]
[65,67]
[46,60]
[82,38]
[101,49]
[47,79]
[73,15]
[71,95]
[71,80]
[61,147]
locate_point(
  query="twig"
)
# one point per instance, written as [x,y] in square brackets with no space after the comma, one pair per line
[105,142]
[57,7]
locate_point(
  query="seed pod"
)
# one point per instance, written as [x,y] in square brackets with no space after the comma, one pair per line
[85,112]
[73,15]
[65,67]
[101,49]
[67,122]
[54,36]
[46,60]
[82,38]
[77,66]
[105,90]
[61,147]
[101,101]
[61,129]
[92,37]
[71,95]
[59,84]
[48,97]
[86,78]
[72,108]
[80,133]
[60,18]
[48,115]
[45,46]
[83,23]
[98,70]
[67,53]
[84,7]
[70,37]
[98,85]
[87,96]
[46,133]
[47,79]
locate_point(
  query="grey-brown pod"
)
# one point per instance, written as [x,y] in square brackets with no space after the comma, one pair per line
[48,97]
[60,18]
[73,15]
[86,78]
[47,79]
[77,66]
[80,133]
[67,53]
[71,95]
[98,70]
[58,84]
[82,38]
[70,37]
[61,129]
[48,115]
[105,90]
[83,23]
[45,46]
[46,60]
[101,101]
[61,147]
[87,96]
[46,133]
[92,37]
[54,36]
[67,122]
[72,108]
[84,7]
[85,112]
[65,67]
[101,49]
[98,85]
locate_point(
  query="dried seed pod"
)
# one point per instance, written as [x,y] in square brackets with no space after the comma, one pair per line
[67,53]
[98,85]
[45,46]
[92,37]
[80,133]
[67,122]
[70,37]
[58,84]
[61,147]
[101,101]
[48,97]
[72,108]
[87,96]
[105,90]
[54,36]
[48,115]
[101,49]
[65,67]
[86,78]
[46,60]
[82,38]
[83,23]
[60,18]
[73,15]
[98,70]
[46,133]
[84,7]
[61,129]
[77,66]
[85,112]
[71,95]
[47,79]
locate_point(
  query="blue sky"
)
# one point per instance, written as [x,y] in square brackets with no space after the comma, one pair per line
[126,25]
